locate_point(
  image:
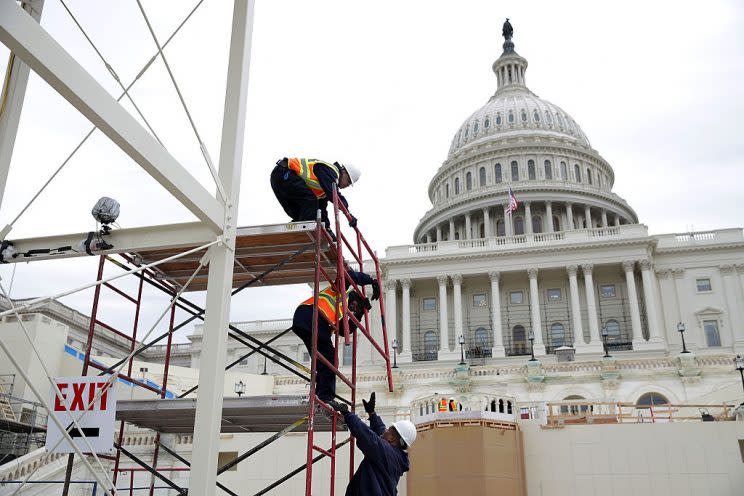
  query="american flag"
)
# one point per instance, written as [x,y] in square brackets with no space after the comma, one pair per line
[513,203]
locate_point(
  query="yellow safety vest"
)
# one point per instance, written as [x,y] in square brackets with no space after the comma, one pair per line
[327,303]
[303,167]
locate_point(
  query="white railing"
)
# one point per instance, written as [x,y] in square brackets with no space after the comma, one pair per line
[520,241]
[466,406]
[696,238]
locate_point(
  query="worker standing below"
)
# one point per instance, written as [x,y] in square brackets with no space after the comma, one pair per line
[385,457]
[304,185]
[302,326]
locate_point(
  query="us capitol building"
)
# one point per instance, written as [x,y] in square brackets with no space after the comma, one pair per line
[572,276]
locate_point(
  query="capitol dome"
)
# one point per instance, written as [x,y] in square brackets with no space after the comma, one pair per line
[520,142]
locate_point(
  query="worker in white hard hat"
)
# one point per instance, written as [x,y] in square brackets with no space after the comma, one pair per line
[304,185]
[385,457]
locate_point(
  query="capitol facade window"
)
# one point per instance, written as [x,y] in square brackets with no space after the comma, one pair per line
[511,117]
[446,190]
[548,117]
[497,173]
[589,176]
[557,335]
[479,300]
[613,330]
[536,116]
[482,176]
[554,294]
[548,170]
[607,290]
[486,123]
[516,297]
[498,119]
[500,228]
[524,116]
[577,171]
[537,224]
[712,337]
[468,181]
[518,225]
[703,285]
[531,170]
[457,185]
[564,171]
[475,128]
[514,171]
[430,303]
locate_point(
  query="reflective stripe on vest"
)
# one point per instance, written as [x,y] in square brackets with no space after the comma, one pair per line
[327,304]
[304,167]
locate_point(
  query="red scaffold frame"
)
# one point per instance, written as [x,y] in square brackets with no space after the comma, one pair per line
[358,249]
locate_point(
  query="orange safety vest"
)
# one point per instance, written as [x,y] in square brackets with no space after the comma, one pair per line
[443,405]
[327,303]
[303,167]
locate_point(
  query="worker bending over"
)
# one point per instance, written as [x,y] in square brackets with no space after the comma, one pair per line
[302,326]
[385,457]
[304,185]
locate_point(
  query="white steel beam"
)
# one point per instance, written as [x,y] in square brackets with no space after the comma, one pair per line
[207,422]
[11,101]
[124,240]
[30,42]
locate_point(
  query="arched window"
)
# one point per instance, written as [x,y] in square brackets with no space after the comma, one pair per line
[564,171]
[446,190]
[574,409]
[536,116]
[467,128]
[493,405]
[558,118]
[431,343]
[531,170]
[511,117]
[589,176]
[475,128]
[509,407]
[613,330]
[577,172]
[514,171]
[498,119]
[486,123]
[457,185]
[548,117]
[518,225]
[481,338]
[497,173]
[548,170]
[524,115]
[482,176]
[468,181]
[556,224]
[557,335]
[501,406]
[500,228]
[536,224]
[651,399]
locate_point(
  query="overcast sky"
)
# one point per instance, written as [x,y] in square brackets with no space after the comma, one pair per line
[658,87]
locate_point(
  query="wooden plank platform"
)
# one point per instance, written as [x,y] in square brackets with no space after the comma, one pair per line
[247,414]
[257,249]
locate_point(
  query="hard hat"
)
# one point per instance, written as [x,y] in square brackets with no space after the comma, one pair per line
[353,171]
[407,432]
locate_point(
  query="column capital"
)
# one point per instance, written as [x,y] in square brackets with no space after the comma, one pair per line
[527,203]
[587,269]
[548,203]
[645,264]
[456,278]
[442,278]
[628,265]
[739,268]
[572,269]
[494,275]
[391,284]
[532,272]
[726,269]
[663,273]
[678,273]
[405,283]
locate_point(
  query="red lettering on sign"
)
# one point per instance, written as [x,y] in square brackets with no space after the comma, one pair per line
[105,387]
[58,406]
[77,399]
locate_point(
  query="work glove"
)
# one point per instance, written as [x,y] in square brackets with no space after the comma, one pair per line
[353,221]
[367,304]
[339,406]
[375,290]
[369,406]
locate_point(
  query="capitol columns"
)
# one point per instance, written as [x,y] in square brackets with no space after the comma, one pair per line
[535,311]
[390,308]
[498,342]
[573,287]
[439,233]
[468,226]
[486,223]
[549,215]
[527,218]
[635,312]
[733,303]
[604,218]
[405,352]
[595,341]
[457,303]
[451,230]
[652,305]
[508,224]
[588,216]
[443,331]
[569,217]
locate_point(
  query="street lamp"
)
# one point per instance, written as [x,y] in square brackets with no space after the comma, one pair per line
[395,353]
[239,388]
[739,364]
[461,340]
[681,330]
[605,333]
[531,337]
[264,370]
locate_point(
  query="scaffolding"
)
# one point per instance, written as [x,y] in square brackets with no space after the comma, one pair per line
[22,422]
[301,252]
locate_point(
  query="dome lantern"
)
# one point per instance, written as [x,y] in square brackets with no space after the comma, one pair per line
[510,67]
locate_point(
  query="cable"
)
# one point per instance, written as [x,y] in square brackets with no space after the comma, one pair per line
[85,138]
[110,69]
[204,151]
